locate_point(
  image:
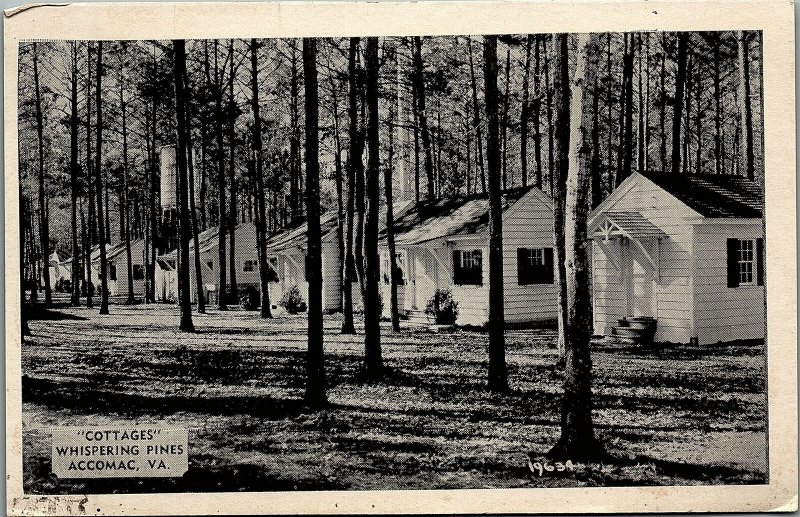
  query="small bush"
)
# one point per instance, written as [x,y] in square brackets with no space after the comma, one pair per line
[293,301]
[249,298]
[442,307]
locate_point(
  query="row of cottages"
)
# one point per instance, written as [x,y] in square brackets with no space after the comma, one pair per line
[686,250]
[444,244]
[246,265]
[117,264]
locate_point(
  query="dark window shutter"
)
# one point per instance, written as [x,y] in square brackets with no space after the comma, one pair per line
[760,261]
[522,260]
[549,272]
[733,262]
[456,267]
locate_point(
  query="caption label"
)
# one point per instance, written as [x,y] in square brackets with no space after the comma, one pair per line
[117,452]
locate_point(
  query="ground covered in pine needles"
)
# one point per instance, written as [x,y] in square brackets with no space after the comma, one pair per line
[668,415]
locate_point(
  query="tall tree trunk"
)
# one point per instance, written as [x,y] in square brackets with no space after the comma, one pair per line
[154,184]
[373,361]
[594,168]
[419,81]
[416,140]
[232,220]
[294,143]
[184,277]
[680,79]
[627,73]
[537,110]
[44,224]
[523,118]
[662,122]
[90,231]
[640,133]
[504,122]
[476,115]
[562,125]
[353,156]
[551,131]
[315,364]
[498,374]
[222,291]
[339,183]
[746,156]
[74,171]
[261,209]
[198,272]
[577,431]
[387,183]
[99,182]
[124,214]
[718,169]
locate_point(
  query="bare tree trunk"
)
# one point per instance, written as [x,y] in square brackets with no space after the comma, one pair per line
[315,364]
[258,168]
[419,81]
[476,114]
[373,360]
[537,110]
[498,373]
[387,183]
[504,122]
[222,291]
[44,224]
[151,268]
[559,178]
[577,439]
[99,182]
[339,183]
[294,143]
[74,170]
[594,168]
[551,131]
[746,156]
[523,119]
[232,219]
[663,111]
[640,133]
[680,79]
[123,210]
[718,169]
[201,299]
[354,156]
[184,280]
[627,74]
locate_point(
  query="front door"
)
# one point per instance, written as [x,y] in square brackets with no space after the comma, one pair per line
[639,281]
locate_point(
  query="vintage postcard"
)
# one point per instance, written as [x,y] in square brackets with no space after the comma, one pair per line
[429,257]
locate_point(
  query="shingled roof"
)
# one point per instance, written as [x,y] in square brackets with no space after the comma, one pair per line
[426,221]
[713,195]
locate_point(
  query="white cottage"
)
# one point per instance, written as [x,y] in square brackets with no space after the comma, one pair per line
[287,251]
[684,250]
[117,263]
[445,245]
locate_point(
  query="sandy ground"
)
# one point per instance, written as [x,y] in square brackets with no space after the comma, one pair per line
[669,415]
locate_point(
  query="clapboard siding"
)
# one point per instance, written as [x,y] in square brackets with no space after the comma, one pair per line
[724,313]
[529,225]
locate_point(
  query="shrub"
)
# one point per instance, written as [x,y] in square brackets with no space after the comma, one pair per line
[293,301]
[442,307]
[249,298]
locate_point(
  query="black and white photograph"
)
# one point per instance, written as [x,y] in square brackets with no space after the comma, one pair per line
[406,262]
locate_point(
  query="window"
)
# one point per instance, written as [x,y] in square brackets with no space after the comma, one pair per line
[535,266]
[250,265]
[112,272]
[210,265]
[745,262]
[468,267]
[400,262]
[138,272]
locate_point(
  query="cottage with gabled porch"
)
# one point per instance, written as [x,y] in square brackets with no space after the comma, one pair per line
[679,257]
[445,245]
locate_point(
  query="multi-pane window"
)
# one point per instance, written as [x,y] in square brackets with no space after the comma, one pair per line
[746,261]
[250,265]
[535,266]
[138,272]
[468,267]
